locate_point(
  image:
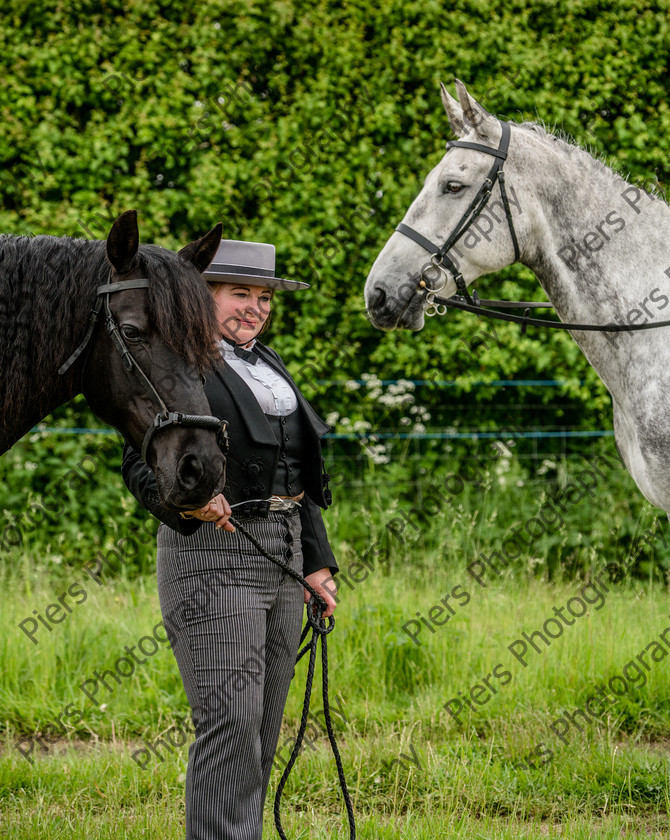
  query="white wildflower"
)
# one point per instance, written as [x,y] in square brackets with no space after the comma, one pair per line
[545,466]
[381,459]
[378,454]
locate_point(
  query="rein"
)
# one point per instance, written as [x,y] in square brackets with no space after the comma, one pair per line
[440,306]
[165,417]
[440,259]
[320,629]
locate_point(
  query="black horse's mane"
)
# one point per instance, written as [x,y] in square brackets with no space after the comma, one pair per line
[47,289]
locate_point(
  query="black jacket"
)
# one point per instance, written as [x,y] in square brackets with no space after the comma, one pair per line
[251,461]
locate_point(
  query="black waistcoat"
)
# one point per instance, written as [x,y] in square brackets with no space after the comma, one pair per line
[254,453]
[290,433]
[252,461]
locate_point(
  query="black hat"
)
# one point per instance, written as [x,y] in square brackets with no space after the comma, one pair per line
[249,264]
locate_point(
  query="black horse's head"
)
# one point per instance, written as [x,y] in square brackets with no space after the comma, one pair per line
[170,330]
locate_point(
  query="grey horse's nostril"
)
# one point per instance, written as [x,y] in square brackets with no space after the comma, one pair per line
[379,298]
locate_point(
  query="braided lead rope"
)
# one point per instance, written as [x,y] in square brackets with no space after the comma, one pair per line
[320,629]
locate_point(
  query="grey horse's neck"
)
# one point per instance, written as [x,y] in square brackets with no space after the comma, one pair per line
[601,248]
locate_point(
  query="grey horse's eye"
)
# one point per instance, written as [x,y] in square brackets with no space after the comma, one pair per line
[452,187]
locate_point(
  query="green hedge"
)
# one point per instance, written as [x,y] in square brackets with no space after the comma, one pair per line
[311,125]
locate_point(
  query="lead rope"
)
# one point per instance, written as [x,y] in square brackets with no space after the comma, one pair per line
[320,629]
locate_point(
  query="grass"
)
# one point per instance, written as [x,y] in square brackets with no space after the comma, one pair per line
[411,766]
[518,756]
[95,791]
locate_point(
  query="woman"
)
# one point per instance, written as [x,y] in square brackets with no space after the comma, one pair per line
[233,617]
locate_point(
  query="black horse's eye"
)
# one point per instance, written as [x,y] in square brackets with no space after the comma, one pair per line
[131,333]
[452,187]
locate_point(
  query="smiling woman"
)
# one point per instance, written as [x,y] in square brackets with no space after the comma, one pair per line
[221,598]
[243,312]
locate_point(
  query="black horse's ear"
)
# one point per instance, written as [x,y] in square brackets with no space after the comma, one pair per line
[202,251]
[123,242]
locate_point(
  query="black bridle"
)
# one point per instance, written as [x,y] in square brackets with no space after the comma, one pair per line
[439,255]
[440,258]
[165,417]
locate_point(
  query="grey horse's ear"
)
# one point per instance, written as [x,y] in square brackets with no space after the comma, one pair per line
[454,112]
[475,117]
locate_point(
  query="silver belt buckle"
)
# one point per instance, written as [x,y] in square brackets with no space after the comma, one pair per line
[284,505]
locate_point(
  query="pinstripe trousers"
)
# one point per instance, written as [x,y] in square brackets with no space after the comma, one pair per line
[233,619]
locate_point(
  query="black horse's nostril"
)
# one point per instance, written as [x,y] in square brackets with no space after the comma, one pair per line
[189,471]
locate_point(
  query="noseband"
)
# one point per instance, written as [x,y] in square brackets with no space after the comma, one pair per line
[165,417]
[439,255]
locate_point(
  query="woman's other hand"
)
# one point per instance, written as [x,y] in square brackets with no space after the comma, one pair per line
[324,583]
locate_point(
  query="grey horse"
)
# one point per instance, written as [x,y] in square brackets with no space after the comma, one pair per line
[599,246]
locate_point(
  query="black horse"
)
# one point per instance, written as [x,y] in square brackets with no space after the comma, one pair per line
[48,287]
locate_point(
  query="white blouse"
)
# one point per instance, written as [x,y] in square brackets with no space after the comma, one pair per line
[273,392]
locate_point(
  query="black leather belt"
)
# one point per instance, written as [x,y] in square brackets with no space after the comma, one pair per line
[264,507]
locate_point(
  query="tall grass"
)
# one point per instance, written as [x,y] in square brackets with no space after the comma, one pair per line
[494,768]
[403,753]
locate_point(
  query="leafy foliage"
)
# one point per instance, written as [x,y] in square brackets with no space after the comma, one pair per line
[310,125]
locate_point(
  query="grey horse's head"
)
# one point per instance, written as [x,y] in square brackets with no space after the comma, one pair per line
[391,288]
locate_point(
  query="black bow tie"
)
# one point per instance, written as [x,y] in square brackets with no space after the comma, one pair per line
[247,355]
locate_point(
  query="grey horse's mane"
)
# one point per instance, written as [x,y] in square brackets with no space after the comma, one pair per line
[589,157]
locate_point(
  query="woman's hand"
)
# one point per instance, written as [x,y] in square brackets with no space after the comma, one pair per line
[324,583]
[218,510]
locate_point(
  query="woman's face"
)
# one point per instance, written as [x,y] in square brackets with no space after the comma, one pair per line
[242,310]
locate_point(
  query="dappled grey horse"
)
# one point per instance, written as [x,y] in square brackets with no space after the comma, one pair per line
[599,246]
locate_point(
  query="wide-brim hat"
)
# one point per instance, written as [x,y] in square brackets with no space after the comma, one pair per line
[248,263]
